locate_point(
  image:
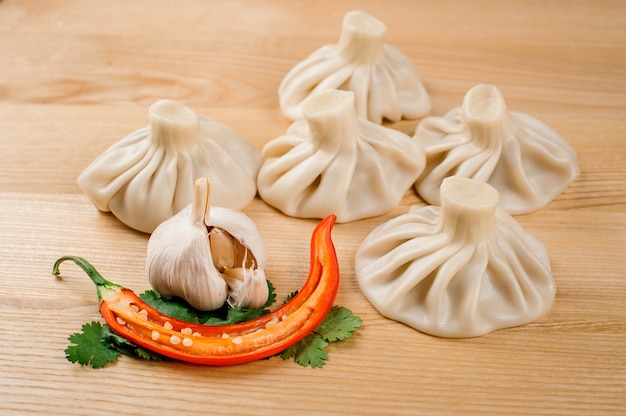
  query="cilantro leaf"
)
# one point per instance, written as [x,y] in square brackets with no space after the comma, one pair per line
[339,324]
[236,315]
[271,297]
[289,352]
[180,309]
[290,296]
[89,348]
[174,307]
[308,352]
[216,317]
[227,316]
[233,316]
[98,345]
[127,347]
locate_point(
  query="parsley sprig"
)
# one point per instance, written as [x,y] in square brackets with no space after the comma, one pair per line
[97,345]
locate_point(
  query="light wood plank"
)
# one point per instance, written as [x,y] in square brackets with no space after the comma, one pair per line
[76,76]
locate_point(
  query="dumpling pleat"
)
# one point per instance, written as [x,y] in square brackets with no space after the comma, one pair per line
[461,269]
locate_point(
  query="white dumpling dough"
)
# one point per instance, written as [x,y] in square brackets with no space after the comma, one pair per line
[461,269]
[334,162]
[527,161]
[385,82]
[149,175]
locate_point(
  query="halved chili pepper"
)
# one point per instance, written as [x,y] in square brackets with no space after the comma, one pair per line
[129,316]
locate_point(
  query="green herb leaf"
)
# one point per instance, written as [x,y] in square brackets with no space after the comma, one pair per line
[308,352]
[227,316]
[89,348]
[271,297]
[290,296]
[339,324]
[236,315]
[98,345]
[180,309]
[233,316]
[174,307]
[127,347]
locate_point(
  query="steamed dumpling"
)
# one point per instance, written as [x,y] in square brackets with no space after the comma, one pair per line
[149,175]
[334,162]
[528,162]
[385,82]
[461,269]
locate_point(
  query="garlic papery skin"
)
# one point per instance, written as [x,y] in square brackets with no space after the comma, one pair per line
[179,260]
[245,240]
[247,284]
[240,254]
[247,287]
[192,254]
[385,82]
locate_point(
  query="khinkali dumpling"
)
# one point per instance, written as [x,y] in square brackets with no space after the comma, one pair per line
[528,162]
[334,162]
[461,269]
[149,175]
[385,82]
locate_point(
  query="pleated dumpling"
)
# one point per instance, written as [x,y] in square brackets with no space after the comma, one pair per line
[461,269]
[385,82]
[527,161]
[334,162]
[149,175]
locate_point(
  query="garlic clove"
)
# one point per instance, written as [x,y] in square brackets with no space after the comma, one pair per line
[179,263]
[243,230]
[223,249]
[247,287]
[179,259]
[188,253]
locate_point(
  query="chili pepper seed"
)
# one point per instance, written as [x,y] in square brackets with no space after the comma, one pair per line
[272,322]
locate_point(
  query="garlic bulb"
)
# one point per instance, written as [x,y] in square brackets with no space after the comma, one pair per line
[385,82]
[148,176]
[208,255]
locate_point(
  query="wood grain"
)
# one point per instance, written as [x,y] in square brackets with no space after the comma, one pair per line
[75,77]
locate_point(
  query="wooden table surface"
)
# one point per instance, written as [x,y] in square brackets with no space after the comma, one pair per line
[76,76]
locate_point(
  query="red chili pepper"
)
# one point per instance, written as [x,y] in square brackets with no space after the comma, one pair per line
[130,317]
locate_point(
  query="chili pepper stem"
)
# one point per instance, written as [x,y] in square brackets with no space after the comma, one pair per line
[104,287]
